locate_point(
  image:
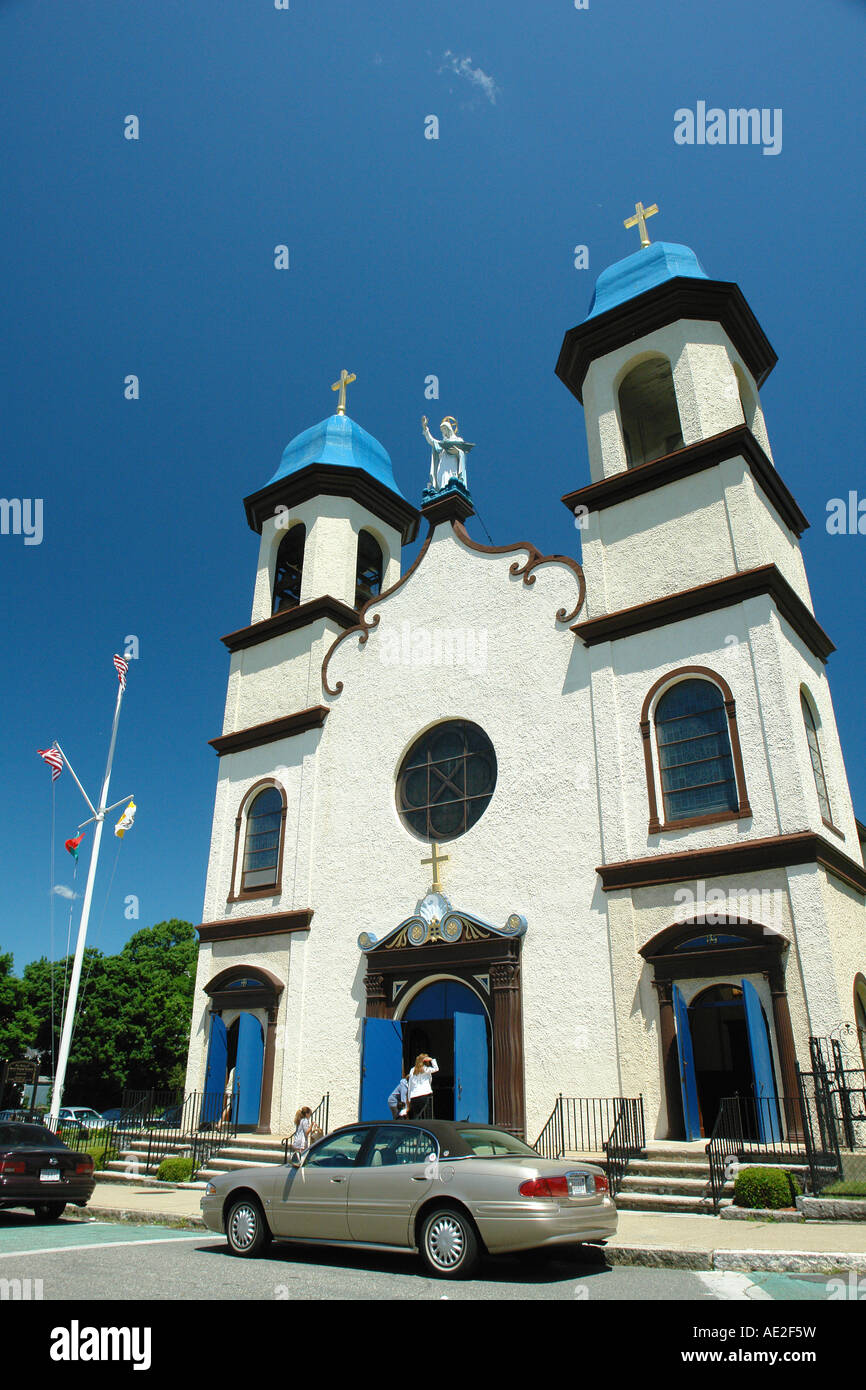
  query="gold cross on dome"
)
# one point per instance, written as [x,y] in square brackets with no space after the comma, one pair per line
[436,860]
[345,380]
[639,220]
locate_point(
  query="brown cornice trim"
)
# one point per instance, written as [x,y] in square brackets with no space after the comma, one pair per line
[288,619]
[706,598]
[273,729]
[267,924]
[450,506]
[527,570]
[776,852]
[683,463]
[714,301]
[332,480]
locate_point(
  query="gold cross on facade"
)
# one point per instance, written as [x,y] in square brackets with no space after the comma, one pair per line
[436,860]
[639,220]
[345,379]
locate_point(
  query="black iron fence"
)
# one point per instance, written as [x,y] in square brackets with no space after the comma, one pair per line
[810,1130]
[609,1125]
[844,1090]
[153,1125]
[759,1130]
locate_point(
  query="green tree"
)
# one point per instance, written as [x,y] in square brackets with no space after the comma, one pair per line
[132,1020]
[17,1024]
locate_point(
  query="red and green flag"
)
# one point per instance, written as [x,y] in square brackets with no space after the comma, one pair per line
[72,845]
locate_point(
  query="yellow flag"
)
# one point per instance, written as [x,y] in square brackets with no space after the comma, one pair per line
[125,820]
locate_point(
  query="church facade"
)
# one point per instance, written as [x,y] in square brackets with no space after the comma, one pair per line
[571,828]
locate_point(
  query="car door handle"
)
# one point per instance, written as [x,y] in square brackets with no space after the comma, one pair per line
[337,1179]
[420,1177]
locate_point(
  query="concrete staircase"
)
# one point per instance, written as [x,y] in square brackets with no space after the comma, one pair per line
[670,1176]
[244,1151]
[673,1176]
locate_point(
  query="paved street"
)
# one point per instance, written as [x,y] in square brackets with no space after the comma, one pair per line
[103,1260]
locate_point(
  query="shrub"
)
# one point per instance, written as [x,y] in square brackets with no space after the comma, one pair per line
[175,1170]
[770,1188]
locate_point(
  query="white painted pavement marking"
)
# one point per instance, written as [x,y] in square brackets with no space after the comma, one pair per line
[104,1245]
[728,1284]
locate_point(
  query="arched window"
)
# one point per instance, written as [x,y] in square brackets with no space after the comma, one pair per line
[815,755]
[289,568]
[262,842]
[648,412]
[368,576]
[697,769]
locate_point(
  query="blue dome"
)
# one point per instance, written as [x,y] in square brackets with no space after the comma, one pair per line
[338,440]
[648,267]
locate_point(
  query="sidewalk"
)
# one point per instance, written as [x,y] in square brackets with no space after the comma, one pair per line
[643,1238]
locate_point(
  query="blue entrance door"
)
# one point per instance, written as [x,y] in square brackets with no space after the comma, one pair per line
[470,1068]
[381,1066]
[215,1077]
[248,1069]
[769,1128]
[691,1109]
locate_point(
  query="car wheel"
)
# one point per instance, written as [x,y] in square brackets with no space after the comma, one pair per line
[246,1228]
[49,1211]
[449,1245]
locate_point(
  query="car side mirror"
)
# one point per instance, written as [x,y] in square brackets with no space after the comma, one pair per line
[295,1159]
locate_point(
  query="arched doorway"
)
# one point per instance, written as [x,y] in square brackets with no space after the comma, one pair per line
[716,1035]
[720,1039]
[448,1020]
[241,1046]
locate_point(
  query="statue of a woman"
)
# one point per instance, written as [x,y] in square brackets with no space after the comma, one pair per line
[448,456]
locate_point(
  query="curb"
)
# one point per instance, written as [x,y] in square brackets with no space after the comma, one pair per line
[142,1218]
[746,1261]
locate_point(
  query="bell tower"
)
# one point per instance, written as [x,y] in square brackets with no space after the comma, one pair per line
[668,365]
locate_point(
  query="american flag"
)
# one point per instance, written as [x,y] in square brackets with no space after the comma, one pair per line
[54,759]
[121,667]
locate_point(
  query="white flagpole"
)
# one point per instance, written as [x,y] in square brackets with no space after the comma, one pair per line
[69,1016]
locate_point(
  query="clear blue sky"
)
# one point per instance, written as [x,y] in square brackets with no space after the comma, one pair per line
[409,256]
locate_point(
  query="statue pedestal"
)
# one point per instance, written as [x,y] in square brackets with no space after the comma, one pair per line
[450,503]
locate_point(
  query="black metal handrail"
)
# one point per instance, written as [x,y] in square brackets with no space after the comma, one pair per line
[588,1124]
[627,1140]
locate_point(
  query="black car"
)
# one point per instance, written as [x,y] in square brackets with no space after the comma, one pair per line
[38,1170]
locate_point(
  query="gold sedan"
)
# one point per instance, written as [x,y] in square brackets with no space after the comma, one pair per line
[449,1191]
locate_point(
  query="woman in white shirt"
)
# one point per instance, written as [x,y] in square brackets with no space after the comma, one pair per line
[420,1096]
[303,1125]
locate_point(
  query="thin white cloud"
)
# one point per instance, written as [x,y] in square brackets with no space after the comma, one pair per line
[63,892]
[477,76]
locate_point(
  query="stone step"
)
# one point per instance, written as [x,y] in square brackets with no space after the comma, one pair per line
[683,1187]
[668,1168]
[663,1202]
[224,1164]
[260,1155]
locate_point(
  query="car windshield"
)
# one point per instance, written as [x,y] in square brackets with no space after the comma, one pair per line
[28,1137]
[495,1143]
